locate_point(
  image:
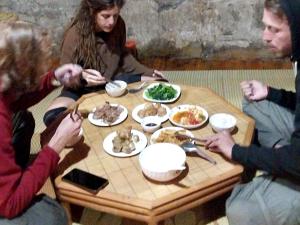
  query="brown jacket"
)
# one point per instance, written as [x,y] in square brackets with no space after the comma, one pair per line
[115,59]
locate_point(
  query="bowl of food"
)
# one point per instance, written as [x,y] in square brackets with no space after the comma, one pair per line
[162,161]
[116,88]
[150,124]
[188,116]
[222,122]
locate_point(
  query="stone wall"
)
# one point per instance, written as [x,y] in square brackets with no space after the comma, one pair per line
[206,29]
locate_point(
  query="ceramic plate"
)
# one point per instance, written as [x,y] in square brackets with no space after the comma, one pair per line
[101,123]
[156,134]
[139,146]
[176,87]
[182,108]
[138,119]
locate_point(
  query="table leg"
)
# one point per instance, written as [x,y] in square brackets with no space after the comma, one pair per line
[67,208]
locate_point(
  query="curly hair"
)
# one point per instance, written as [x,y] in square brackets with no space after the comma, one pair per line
[85,52]
[24,55]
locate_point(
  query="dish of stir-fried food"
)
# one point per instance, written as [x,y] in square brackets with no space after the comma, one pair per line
[108,115]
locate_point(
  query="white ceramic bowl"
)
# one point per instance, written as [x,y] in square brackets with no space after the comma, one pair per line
[162,161]
[222,121]
[116,88]
[151,124]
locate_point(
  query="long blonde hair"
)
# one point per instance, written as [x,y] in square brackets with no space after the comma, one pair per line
[24,55]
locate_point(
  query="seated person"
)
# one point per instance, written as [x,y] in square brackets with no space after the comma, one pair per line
[24,53]
[96,41]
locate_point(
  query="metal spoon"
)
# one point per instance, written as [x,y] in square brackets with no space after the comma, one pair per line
[191,147]
[137,89]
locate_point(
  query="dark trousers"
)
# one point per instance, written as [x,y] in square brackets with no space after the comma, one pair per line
[23,128]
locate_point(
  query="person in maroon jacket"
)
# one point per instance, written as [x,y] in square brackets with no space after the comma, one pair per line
[273,197]
[24,53]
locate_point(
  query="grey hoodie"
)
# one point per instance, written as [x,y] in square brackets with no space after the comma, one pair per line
[284,161]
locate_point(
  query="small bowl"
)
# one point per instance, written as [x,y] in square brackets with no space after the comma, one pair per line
[162,161]
[116,88]
[151,124]
[222,122]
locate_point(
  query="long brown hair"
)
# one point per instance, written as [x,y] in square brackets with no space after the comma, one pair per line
[25,53]
[85,53]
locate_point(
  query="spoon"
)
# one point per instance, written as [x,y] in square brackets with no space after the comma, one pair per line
[137,89]
[191,147]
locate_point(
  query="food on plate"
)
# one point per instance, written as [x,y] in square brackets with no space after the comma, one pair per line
[107,113]
[152,109]
[189,116]
[124,141]
[169,136]
[161,92]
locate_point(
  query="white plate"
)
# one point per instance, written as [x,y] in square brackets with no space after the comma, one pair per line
[139,146]
[156,134]
[101,123]
[183,108]
[176,87]
[138,119]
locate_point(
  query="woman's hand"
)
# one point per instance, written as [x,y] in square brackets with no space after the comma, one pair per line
[221,142]
[68,75]
[67,131]
[254,90]
[93,77]
[157,75]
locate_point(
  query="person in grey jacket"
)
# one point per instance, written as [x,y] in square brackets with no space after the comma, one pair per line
[273,197]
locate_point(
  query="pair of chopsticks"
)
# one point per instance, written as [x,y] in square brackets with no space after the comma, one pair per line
[74,111]
[184,136]
[108,80]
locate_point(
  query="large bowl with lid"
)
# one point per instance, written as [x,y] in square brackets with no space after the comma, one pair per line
[162,161]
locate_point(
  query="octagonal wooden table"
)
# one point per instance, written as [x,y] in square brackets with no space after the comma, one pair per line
[129,193]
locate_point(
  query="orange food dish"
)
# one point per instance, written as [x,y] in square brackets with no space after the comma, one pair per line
[189,117]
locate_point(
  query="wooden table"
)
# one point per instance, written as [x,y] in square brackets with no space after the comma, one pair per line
[131,195]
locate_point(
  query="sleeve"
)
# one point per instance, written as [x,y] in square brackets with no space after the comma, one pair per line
[68,46]
[128,63]
[31,98]
[284,161]
[25,184]
[18,187]
[282,97]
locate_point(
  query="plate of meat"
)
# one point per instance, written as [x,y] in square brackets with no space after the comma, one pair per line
[125,142]
[158,110]
[108,115]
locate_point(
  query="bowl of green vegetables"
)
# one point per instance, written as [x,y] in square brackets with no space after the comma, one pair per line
[162,92]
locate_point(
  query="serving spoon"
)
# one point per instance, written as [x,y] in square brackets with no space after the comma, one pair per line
[191,147]
[137,89]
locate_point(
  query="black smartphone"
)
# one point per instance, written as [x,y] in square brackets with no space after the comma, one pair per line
[85,180]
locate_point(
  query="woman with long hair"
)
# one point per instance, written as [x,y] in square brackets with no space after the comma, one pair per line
[96,40]
[24,57]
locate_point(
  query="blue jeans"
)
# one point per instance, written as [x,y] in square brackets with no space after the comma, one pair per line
[43,211]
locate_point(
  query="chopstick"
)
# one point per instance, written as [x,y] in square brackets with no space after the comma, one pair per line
[74,111]
[107,79]
[187,137]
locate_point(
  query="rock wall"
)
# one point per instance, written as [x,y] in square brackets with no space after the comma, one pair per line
[205,29]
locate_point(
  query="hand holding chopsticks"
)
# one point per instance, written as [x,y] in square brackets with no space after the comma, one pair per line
[75,112]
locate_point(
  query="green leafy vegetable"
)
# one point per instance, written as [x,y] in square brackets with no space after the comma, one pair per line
[161,92]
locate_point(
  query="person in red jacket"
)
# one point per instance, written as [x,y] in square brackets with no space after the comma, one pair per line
[274,196]
[24,53]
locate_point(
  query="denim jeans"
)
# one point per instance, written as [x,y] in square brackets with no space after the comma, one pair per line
[43,211]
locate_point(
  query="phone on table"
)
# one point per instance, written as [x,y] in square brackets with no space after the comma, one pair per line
[85,180]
